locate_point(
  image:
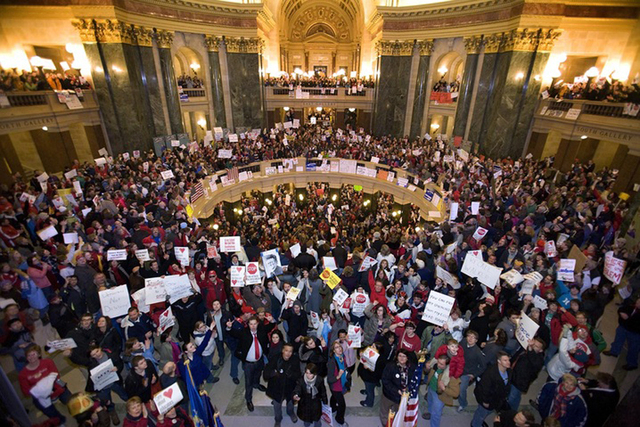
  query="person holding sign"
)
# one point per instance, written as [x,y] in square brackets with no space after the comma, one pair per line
[298,323]
[527,364]
[98,357]
[192,366]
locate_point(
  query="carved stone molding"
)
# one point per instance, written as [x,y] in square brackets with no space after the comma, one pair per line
[493,42]
[520,40]
[86,28]
[396,48]
[324,18]
[164,39]
[242,45]
[473,45]
[114,31]
[212,43]
[547,39]
[425,47]
[143,36]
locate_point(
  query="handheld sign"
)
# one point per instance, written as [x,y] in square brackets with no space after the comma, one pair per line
[438,308]
[115,302]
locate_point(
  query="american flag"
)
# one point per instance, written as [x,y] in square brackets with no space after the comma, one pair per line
[197,191]
[233,173]
[407,415]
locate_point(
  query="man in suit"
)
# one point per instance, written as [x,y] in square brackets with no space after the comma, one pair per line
[253,343]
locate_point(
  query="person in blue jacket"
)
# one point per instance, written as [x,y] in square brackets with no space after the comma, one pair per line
[563,401]
[192,355]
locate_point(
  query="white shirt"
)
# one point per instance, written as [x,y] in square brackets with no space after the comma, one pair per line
[251,355]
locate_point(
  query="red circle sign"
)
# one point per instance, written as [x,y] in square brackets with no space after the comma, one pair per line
[252,269]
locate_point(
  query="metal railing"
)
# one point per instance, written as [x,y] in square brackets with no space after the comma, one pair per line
[592,108]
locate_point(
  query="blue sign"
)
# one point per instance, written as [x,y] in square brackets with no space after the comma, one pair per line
[428,194]
[311,167]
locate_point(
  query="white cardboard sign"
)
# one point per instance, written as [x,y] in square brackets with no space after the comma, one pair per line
[438,308]
[252,274]
[117,255]
[115,302]
[168,398]
[230,244]
[237,275]
[486,273]
[526,330]
[613,267]
[565,269]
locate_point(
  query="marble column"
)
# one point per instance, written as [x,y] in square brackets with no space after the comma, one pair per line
[472,46]
[121,74]
[164,40]
[150,79]
[425,48]
[512,91]
[245,83]
[393,87]
[213,46]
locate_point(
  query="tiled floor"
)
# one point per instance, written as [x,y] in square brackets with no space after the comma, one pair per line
[229,398]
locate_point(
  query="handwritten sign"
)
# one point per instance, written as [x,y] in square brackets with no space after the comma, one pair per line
[167,174]
[369,358]
[367,263]
[526,330]
[480,233]
[115,302]
[139,298]
[230,244]
[438,308]
[168,398]
[166,320]
[340,297]
[182,255]
[453,213]
[614,267]
[225,154]
[143,255]
[329,262]
[155,291]
[117,255]
[540,302]
[47,233]
[512,277]
[354,336]
[486,273]
[293,293]
[177,287]
[64,344]
[70,238]
[447,277]
[566,269]
[550,249]
[252,274]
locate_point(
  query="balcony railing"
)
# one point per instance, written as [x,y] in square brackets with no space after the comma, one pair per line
[323,91]
[25,99]
[194,93]
[561,108]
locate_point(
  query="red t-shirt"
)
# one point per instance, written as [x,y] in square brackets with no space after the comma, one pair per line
[28,378]
[408,343]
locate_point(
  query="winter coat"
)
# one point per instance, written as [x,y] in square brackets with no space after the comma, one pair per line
[576,408]
[434,342]
[492,390]
[199,370]
[310,409]
[474,359]
[392,382]
[451,390]
[456,365]
[526,366]
[317,356]
[600,403]
[298,323]
[371,325]
[561,363]
[281,377]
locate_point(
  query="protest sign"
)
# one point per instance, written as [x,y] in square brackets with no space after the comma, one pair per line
[480,233]
[225,154]
[550,249]
[475,208]
[566,268]
[453,214]
[212,252]
[104,375]
[512,277]
[166,320]
[230,244]
[177,286]
[438,308]
[367,263]
[70,238]
[359,301]
[293,293]
[252,274]
[237,275]
[369,358]
[581,259]
[271,262]
[447,277]
[295,250]
[155,291]
[63,344]
[329,262]
[486,273]
[47,233]
[340,297]
[315,320]
[143,255]
[71,173]
[354,336]
[182,255]
[539,302]
[168,398]
[526,330]
[167,174]
[139,298]
[613,267]
[330,277]
[115,302]
[117,255]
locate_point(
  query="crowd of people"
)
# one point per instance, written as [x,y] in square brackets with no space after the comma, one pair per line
[317,81]
[188,82]
[442,86]
[11,80]
[288,330]
[599,90]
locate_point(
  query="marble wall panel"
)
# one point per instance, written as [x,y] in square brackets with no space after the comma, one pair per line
[391,101]
[485,85]
[465,95]
[420,95]
[171,91]
[216,89]
[152,86]
[245,88]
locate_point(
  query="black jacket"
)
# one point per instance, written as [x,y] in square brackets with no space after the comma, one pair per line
[474,360]
[245,340]
[526,367]
[392,381]
[492,390]
[600,403]
[282,376]
[298,323]
[134,383]
[110,340]
[115,359]
[83,339]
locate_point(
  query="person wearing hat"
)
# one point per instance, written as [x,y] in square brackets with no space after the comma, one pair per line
[88,411]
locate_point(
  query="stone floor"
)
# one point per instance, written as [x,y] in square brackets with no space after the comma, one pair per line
[229,398]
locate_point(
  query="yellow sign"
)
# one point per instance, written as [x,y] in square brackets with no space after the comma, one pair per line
[189,211]
[330,277]
[624,196]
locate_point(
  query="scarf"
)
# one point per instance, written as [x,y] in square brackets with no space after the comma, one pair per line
[343,378]
[311,386]
[560,403]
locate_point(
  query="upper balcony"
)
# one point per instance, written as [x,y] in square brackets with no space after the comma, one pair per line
[34,110]
[334,97]
[600,120]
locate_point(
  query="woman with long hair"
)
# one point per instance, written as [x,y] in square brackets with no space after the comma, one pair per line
[339,381]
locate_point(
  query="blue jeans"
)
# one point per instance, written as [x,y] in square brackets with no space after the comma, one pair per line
[234,366]
[479,416]
[436,406]
[633,339]
[465,381]
[315,424]
[551,351]
[370,389]
[105,395]
[514,398]
[277,410]
[221,353]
